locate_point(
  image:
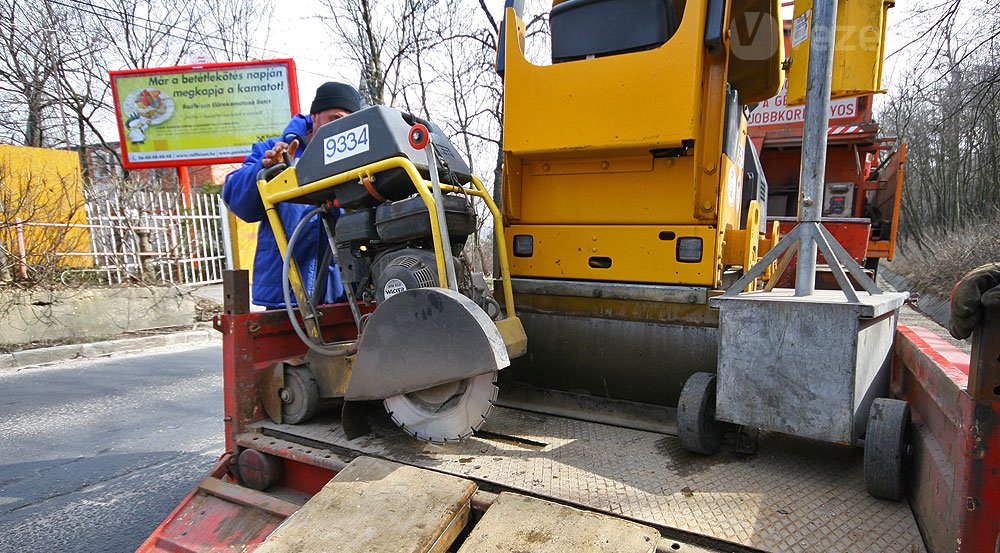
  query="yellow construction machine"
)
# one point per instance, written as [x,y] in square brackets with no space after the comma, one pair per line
[631,194]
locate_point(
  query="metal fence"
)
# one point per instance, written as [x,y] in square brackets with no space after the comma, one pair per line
[153,236]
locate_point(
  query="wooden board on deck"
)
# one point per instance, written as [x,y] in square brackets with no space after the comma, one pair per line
[378,506]
[520,523]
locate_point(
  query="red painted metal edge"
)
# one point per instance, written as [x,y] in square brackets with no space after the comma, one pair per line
[253,341]
[953,361]
[151,542]
[955,477]
[219,515]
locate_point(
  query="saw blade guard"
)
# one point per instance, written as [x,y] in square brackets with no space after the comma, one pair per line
[422,338]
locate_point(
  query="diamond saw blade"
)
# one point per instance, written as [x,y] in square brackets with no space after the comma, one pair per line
[446,413]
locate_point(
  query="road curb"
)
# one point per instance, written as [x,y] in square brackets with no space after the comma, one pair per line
[937,308]
[29,358]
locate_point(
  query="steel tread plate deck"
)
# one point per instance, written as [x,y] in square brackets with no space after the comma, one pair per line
[794,495]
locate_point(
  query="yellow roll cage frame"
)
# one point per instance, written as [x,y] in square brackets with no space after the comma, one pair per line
[284,187]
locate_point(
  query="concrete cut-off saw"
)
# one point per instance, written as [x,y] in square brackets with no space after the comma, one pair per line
[396,203]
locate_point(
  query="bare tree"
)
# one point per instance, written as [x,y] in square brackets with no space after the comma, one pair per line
[27,65]
[388,42]
[435,59]
[55,56]
[948,110]
[231,29]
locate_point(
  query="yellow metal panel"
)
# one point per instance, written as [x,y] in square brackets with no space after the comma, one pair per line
[43,187]
[624,191]
[639,101]
[637,253]
[579,167]
[244,243]
[708,148]
[512,332]
[512,174]
[858,53]
[730,193]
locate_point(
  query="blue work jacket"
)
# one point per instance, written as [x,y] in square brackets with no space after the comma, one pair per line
[243,198]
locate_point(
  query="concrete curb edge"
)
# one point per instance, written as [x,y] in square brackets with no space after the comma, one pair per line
[938,309]
[41,356]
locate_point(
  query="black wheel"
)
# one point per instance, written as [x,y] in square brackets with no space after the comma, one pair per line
[299,397]
[886,444]
[696,425]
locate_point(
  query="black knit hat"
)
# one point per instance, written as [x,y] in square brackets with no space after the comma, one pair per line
[332,95]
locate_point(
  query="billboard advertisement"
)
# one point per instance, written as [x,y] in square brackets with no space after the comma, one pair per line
[201,114]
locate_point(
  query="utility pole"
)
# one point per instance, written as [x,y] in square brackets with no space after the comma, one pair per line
[814,133]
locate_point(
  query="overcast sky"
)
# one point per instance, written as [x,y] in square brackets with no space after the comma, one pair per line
[315,65]
[318,64]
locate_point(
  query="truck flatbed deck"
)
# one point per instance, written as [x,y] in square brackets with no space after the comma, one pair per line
[792,495]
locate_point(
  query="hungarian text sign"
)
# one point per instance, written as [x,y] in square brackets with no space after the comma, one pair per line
[776,112]
[195,115]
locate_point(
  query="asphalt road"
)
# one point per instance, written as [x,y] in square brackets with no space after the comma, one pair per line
[95,454]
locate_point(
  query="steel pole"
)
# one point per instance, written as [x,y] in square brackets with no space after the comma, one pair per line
[817,121]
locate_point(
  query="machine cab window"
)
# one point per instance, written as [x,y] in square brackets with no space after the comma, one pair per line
[583,29]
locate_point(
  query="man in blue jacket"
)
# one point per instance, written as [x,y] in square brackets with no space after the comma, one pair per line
[332,101]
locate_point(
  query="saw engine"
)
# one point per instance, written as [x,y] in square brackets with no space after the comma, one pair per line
[436,339]
[385,250]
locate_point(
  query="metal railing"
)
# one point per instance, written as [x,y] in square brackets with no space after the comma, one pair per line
[153,236]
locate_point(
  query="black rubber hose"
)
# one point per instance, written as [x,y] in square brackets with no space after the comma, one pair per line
[286,289]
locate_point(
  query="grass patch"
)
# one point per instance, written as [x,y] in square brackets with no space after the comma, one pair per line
[935,268]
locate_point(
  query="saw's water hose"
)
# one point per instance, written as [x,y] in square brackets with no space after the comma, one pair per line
[286,289]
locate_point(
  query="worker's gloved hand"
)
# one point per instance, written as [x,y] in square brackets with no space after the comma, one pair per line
[274,155]
[978,290]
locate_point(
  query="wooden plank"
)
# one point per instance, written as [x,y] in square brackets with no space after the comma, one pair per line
[248,497]
[378,506]
[519,523]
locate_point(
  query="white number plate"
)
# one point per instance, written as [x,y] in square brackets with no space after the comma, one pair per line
[346,144]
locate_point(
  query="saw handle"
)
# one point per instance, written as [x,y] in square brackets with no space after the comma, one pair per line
[271,172]
[302,143]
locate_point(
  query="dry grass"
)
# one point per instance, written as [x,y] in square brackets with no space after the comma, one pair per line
[938,266]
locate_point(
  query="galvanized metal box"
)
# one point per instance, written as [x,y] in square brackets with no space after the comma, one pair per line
[806,366]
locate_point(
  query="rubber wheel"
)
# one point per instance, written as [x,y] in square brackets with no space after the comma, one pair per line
[885,448]
[299,397]
[697,428]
